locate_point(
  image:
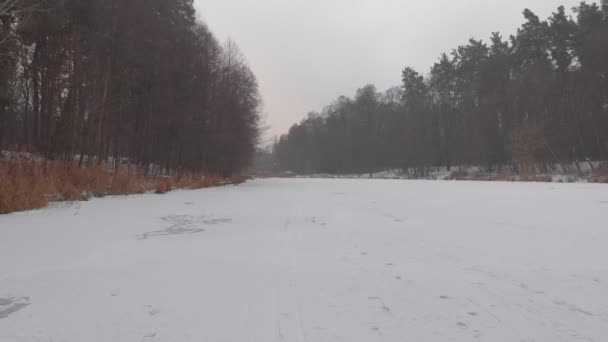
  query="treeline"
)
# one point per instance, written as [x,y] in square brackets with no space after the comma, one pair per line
[539,97]
[138,82]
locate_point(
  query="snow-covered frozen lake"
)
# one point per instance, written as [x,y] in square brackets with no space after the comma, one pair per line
[312,260]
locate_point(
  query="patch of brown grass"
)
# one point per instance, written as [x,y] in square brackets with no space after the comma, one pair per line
[503,177]
[272,175]
[26,185]
[238,180]
[600,176]
[163,186]
[499,177]
[458,175]
[22,187]
[536,178]
[126,182]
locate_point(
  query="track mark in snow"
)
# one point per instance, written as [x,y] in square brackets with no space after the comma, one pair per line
[289,319]
[9,306]
[496,277]
[525,287]
[318,221]
[148,336]
[385,309]
[183,224]
[572,307]
[393,217]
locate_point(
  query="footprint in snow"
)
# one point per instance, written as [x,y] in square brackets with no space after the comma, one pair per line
[10,305]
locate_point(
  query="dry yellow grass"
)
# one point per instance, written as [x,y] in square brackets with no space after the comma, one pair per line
[600,176]
[28,185]
[458,175]
[499,177]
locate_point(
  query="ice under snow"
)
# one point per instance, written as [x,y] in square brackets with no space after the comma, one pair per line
[312,260]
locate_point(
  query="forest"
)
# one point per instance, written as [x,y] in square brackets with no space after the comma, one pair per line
[537,97]
[140,83]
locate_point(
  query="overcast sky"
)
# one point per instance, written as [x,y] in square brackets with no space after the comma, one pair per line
[306,53]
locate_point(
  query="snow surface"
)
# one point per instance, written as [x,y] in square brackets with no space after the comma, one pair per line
[313,260]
